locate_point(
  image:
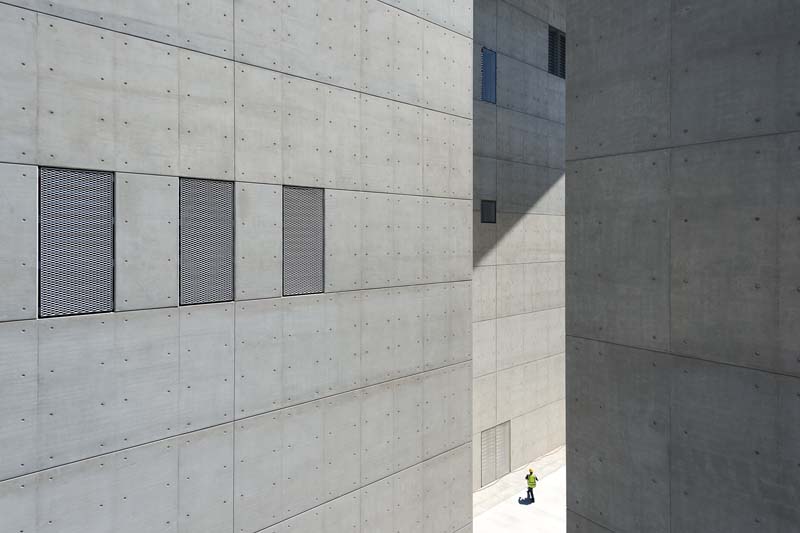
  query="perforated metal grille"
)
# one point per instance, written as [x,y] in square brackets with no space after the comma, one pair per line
[488,75]
[557,57]
[76,242]
[206,208]
[303,240]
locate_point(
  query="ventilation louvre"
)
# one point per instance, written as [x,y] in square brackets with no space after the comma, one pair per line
[76,242]
[488,75]
[206,241]
[488,212]
[557,53]
[303,241]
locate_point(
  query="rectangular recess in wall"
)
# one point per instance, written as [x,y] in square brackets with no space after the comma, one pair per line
[495,452]
[557,53]
[76,242]
[206,241]
[488,75]
[303,240]
[488,212]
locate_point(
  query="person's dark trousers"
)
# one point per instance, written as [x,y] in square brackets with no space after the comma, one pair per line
[530,494]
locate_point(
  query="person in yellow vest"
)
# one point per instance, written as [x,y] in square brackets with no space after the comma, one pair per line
[531,479]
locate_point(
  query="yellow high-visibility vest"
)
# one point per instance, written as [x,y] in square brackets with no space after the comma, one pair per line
[532,481]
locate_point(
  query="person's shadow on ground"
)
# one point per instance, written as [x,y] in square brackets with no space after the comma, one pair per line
[524,501]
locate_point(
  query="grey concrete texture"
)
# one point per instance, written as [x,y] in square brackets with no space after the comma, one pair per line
[130,121]
[518,262]
[683,376]
[263,413]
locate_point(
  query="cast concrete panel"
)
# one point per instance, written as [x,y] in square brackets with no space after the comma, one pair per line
[207,365]
[529,287]
[146,241]
[522,36]
[484,241]
[730,421]
[259,241]
[85,118]
[206,116]
[618,278]
[259,124]
[207,26]
[377,430]
[303,348]
[578,524]
[484,345]
[342,148]
[529,238]
[725,250]
[484,185]
[90,370]
[484,402]
[259,356]
[485,129]
[392,339]
[447,155]
[528,139]
[623,106]
[378,43]
[447,71]
[19,205]
[619,429]
[18,415]
[550,11]
[377,149]
[343,247]
[484,293]
[524,338]
[18,108]
[446,329]
[108,493]
[745,82]
[258,484]
[343,326]
[408,59]
[146,105]
[529,89]
[407,247]
[342,446]
[205,468]
[377,240]
[531,189]
[315,39]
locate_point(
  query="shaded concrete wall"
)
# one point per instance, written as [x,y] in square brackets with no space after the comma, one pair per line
[343,411]
[683,266]
[518,274]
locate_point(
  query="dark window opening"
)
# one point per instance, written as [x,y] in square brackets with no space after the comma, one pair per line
[488,211]
[488,75]
[557,56]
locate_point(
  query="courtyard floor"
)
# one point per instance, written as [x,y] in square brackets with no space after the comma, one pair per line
[501,506]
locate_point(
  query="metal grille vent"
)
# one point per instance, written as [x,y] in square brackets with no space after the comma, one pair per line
[488,75]
[76,242]
[206,241]
[557,53]
[488,212]
[495,452]
[303,240]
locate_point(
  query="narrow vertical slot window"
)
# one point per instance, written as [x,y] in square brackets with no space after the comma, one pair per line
[557,53]
[488,75]
[76,242]
[303,240]
[206,241]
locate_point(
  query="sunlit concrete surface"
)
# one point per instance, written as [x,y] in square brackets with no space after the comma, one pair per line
[500,507]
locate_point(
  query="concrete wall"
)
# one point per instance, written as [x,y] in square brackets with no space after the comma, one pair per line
[683,276]
[518,265]
[343,411]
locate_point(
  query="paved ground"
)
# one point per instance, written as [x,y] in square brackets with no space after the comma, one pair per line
[499,507]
